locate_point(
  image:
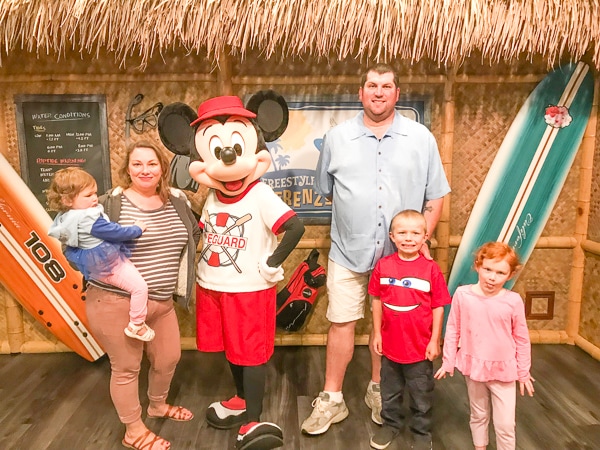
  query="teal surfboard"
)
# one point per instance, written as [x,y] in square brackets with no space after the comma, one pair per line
[529,170]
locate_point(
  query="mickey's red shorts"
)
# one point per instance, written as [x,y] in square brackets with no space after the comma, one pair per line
[241,324]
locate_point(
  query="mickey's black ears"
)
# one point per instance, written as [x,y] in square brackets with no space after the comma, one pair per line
[174,128]
[178,136]
[272,114]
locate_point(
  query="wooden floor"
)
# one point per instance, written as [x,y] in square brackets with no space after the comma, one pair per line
[60,401]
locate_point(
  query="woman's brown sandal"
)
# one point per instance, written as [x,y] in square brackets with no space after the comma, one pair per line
[176,413]
[141,443]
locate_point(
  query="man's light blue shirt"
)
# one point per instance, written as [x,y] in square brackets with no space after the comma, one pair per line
[370,180]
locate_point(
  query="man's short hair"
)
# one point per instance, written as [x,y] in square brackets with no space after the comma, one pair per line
[379,68]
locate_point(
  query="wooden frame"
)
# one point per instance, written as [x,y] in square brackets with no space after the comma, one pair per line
[531,296]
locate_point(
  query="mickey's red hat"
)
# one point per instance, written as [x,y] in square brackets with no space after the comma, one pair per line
[226,105]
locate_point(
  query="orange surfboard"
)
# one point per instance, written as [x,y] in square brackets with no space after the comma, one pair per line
[34,270]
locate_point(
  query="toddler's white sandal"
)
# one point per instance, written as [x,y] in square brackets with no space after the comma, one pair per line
[132,331]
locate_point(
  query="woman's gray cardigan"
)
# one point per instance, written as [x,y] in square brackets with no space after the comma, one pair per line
[186,279]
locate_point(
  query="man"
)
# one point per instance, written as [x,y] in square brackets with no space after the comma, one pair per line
[371,166]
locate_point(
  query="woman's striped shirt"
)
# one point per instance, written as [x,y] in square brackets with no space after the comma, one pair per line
[157,252]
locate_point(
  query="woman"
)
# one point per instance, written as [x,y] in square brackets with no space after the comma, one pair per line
[164,255]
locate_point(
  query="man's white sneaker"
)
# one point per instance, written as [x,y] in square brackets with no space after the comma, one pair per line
[373,401]
[325,413]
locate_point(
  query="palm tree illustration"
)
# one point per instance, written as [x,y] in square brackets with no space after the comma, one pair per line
[282,160]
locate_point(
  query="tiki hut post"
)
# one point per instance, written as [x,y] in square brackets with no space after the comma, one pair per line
[224,85]
[14,321]
[12,309]
[446,150]
[582,220]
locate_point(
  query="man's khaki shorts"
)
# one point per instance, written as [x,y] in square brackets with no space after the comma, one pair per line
[347,292]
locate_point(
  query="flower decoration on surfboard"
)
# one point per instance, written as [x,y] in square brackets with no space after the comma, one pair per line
[558,116]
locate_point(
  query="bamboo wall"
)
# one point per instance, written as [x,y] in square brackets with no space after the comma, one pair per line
[471,110]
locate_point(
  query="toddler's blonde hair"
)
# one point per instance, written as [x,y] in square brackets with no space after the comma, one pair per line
[66,185]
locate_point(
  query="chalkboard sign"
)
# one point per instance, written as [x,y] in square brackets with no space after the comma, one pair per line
[57,131]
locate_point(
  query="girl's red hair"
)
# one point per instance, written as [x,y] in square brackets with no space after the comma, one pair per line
[497,250]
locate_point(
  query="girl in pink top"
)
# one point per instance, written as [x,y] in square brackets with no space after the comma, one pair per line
[488,342]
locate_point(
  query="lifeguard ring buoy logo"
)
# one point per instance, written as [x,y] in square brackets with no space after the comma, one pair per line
[224,239]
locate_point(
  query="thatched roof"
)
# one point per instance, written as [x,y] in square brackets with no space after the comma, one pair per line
[446,31]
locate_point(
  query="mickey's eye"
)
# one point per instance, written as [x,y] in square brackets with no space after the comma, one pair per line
[215,146]
[238,144]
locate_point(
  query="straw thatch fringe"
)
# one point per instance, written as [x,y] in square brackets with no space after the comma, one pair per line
[446,31]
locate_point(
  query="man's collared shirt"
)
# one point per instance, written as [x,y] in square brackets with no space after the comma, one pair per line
[370,180]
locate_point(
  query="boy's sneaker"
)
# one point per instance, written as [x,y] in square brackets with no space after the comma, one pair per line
[373,401]
[227,414]
[325,413]
[259,436]
[383,437]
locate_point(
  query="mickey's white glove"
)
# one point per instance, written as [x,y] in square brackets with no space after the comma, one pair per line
[271,274]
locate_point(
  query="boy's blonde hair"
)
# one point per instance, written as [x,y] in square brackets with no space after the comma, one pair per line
[66,185]
[409,214]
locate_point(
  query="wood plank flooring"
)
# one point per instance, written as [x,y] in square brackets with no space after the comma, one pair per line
[60,401]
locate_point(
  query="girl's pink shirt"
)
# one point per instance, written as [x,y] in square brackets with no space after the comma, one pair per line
[487,337]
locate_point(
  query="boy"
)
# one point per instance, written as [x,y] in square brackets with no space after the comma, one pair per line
[408,294]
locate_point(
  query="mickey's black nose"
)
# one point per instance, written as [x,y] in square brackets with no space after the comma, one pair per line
[228,156]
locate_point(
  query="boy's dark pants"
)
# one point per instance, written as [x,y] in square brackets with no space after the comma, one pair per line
[417,379]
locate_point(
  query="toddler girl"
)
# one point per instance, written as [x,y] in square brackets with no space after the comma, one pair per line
[95,245]
[488,341]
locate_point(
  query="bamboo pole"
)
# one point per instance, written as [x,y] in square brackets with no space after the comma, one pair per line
[552,242]
[14,321]
[188,343]
[402,80]
[310,80]
[14,324]
[110,78]
[284,339]
[224,84]
[5,297]
[13,310]
[3,148]
[548,337]
[45,347]
[314,243]
[581,223]
[305,339]
[327,80]
[547,242]
[446,151]
[587,347]
[591,247]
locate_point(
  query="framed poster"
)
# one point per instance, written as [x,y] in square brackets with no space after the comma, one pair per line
[57,131]
[295,154]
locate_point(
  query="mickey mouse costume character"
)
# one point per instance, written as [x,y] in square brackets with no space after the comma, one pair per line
[240,260]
